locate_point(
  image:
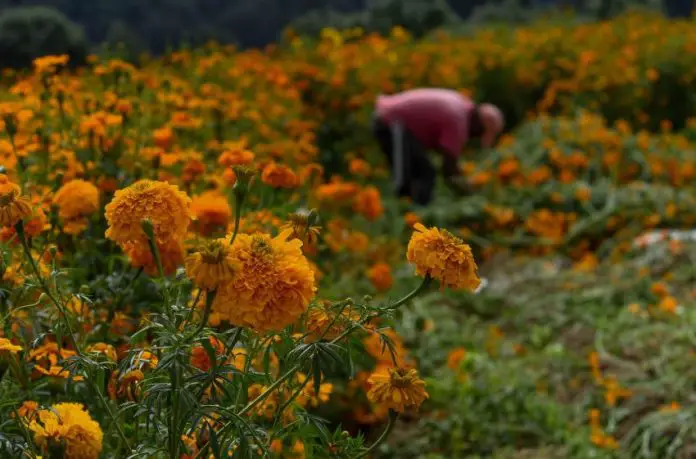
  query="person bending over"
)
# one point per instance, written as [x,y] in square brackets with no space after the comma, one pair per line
[408,124]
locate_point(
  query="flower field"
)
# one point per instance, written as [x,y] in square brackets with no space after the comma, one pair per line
[202,257]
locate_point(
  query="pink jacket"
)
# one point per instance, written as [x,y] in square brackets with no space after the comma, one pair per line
[438,118]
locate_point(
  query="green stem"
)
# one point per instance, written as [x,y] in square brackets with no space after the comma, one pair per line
[156,255]
[209,299]
[263,395]
[25,431]
[20,232]
[393,415]
[426,282]
[239,202]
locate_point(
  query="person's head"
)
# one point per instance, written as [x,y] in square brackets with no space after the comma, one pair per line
[492,121]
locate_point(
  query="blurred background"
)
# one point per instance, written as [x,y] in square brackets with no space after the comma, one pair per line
[78,27]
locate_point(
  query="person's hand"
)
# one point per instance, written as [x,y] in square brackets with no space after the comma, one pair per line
[459,185]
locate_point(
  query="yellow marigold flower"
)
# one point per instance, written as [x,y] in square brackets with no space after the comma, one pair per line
[69,426]
[106,349]
[308,396]
[397,388]
[212,210]
[381,276]
[442,256]
[212,265]
[171,254]
[299,223]
[161,203]
[7,348]
[273,287]
[77,199]
[13,206]
[279,176]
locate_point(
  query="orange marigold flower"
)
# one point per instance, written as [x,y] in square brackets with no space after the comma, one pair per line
[359,167]
[213,265]
[200,358]
[368,203]
[13,206]
[105,349]
[77,199]
[212,210]
[162,204]
[397,388]
[273,287]
[171,254]
[236,157]
[163,137]
[381,276]
[279,176]
[411,218]
[442,256]
[28,410]
[455,357]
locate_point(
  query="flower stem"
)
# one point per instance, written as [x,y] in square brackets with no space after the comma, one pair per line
[209,299]
[238,204]
[19,227]
[426,282]
[263,395]
[393,415]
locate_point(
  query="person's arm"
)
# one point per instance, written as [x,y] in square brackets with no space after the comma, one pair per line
[453,178]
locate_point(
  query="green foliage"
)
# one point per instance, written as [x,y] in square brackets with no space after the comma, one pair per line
[31,32]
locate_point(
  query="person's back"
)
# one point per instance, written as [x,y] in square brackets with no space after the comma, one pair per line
[436,117]
[408,124]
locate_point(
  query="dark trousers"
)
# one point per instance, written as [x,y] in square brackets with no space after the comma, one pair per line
[417,172]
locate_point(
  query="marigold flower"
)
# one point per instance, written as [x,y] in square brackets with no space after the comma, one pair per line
[162,204]
[58,372]
[381,276]
[212,265]
[7,348]
[28,410]
[308,396]
[199,356]
[212,210]
[13,206]
[302,229]
[279,176]
[455,357]
[368,203]
[171,254]
[77,199]
[359,167]
[69,426]
[105,349]
[397,388]
[273,287]
[442,256]
[163,137]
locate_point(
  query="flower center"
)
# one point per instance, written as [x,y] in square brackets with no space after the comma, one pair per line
[7,198]
[261,247]
[401,379]
[213,253]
